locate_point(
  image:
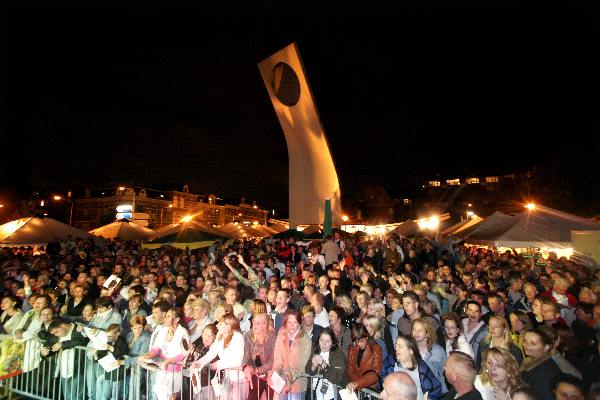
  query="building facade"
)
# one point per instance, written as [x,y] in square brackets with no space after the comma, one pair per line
[160,209]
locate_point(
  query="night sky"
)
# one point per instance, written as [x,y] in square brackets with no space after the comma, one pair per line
[97,98]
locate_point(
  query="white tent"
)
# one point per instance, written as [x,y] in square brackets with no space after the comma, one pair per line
[542,227]
[486,229]
[124,230]
[34,230]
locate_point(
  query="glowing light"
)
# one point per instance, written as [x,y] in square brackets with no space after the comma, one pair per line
[170,205]
[530,206]
[187,218]
[121,187]
[124,208]
[57,197]
[470,213]
[429,224]
[42,203]
[1,205]
[345,218]
[254,207]
[255,223]
[470,205]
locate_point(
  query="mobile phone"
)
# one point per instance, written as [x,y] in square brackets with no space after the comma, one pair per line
[310,254]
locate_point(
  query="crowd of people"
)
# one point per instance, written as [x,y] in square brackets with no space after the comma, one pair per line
[427,318]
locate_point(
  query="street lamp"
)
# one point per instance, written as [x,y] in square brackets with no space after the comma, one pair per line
[59,198]
[469,212]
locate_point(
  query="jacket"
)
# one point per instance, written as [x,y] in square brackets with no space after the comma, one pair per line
[368,373]
[484,345]
[335,371]
[290,360]
[429,382]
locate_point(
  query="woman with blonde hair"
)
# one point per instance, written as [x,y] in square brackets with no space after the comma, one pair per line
[229,346]
[373,325]
[258,355]
[377,309]
[499,376]
[432,353]
[498,336]
[292,351]
[362,302]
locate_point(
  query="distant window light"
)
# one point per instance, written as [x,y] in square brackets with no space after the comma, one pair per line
[491,179]
[471,181]
[435,183]
[453,182]
[407,202]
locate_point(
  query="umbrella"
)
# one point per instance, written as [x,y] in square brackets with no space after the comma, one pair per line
[289,233]
[124,230]
[327,222]
[188,237]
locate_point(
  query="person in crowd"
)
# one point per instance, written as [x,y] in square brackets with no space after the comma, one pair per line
[73,307]
[329,361]
[168,352]
[461,373]
[399,386]
[473,327]
[196,383]
[282,305]
[229,347]
[372,323]
[562,340]
[412,311]
[499,375]
[498,336]
[71,361]
[538,368]
[134,308]
[408,359]
[114,384]
[364,360]
[200,314]
[259,347]
[455,340]
[292,351]
[362,303]
[342,333]
[520,323]
[311,329]
[138,342]
[11,314]
[432,353]
[568,387]
[377,309]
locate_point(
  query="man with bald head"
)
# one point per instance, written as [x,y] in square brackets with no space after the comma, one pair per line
[461,372]
[399,386]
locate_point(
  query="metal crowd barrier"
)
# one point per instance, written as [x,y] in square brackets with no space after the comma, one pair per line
[73,375]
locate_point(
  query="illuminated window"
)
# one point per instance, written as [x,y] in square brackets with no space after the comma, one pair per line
[491,179]
[434,183]
[453,182]
[407,202]
[471,181]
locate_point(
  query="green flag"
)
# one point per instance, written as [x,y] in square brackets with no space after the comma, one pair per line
[327,223]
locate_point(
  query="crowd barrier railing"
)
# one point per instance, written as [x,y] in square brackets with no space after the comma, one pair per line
[74,375]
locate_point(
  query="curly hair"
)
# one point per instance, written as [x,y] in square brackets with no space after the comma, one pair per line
[507,362]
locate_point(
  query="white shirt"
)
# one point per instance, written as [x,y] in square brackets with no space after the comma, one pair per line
[318,383]
[229,357]
[463,346]
[322,318]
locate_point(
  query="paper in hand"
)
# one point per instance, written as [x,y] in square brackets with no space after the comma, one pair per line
[111,282]
[277,382]
[346,394]
[216,385]
[108,362]
[98,340]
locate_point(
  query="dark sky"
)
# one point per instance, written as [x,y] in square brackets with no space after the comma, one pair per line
[99,97]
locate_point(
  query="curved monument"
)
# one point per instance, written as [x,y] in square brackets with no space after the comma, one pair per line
[313,178]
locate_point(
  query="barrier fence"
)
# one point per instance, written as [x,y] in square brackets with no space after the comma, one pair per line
[73,374]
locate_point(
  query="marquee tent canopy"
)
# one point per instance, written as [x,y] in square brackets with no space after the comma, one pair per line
[487,229]
[240,231]
[125,230]
[542,227]
[36,230]
[187,237]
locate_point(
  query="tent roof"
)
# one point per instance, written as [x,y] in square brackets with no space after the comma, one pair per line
[487,229]
[264,229]
[35,230]
[188,236]
[543,227]
[408,228]
[125,230]
[239,231]
[456,228]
